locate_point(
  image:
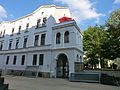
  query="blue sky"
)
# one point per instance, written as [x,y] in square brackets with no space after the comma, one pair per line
[85,12]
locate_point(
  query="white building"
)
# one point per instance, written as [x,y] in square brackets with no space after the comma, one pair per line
[45,42]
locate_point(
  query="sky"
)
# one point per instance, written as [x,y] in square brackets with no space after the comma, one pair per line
[85,12]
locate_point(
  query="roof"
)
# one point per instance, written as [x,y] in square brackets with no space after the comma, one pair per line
[44,6]
[64,19]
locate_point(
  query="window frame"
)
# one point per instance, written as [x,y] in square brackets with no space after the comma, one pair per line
[43,37]
[58,38]
[7,60]
[14,60]
[17,44]
[23,60]
[19,28]
[1,45]
[36,40]
[34,63]
[38,23]
[41,59]
[44,21]
[66,37]
[10,45]
[27,26]
[12,31]
[25,42]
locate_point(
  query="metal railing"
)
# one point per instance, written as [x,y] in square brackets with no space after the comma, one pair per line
[85,77]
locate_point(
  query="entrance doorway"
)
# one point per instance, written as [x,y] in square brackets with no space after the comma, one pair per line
[62,66]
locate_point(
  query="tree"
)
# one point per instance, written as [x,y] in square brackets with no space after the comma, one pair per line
[92,39]
[111,45]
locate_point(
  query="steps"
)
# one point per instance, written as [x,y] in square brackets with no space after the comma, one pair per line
[2,85]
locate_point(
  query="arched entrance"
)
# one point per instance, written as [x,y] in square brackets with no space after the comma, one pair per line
[62,70]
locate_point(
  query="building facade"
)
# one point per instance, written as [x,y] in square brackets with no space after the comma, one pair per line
[47,42]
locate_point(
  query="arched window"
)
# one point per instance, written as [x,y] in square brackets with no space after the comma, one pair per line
[66,37]
[77,57]
[58,38]
[80,59]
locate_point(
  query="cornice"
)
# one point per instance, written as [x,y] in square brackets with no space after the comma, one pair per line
[44,6]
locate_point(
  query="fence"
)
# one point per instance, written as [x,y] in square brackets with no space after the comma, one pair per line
[85,77]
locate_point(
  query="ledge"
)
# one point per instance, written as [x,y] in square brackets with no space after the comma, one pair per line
[41,26]
[27,49]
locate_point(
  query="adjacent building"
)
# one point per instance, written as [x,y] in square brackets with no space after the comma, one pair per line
[46,42]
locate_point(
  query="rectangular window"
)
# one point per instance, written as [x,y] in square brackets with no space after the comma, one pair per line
[78,67]
[7,60]
[35,59]
[38,23]
[10,45]
[41,59]
[14,60]
[44,21]
[12,30]
[1,45]
[25,43]
[43,39]
[23,60]
[27,26]
[17,42]
[3,33]
[36,40]
[19,29]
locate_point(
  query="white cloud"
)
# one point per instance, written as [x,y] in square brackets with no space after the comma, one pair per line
[117,1]
[81,9]
[3,13]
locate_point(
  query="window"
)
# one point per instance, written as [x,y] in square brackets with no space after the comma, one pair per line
[36,40]
[23,60]
[80,59]
[10,45]
[41,59]
[14,60]
[58,38]
[27,26]
[77,57]
[38,23]
[3,33]
[43,39]
[12,31]
[25,43]
[17,43]
[66,37]
[7,60]
[19,29]
[35,59]
[44,21]
[42,13]
[1,45]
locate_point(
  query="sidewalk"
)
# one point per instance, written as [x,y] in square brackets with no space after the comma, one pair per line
[26,83]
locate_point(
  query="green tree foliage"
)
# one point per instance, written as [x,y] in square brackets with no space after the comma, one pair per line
[103,42]
[92,40]
[111,46]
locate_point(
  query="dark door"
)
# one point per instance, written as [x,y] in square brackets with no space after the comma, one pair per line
[62,66]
